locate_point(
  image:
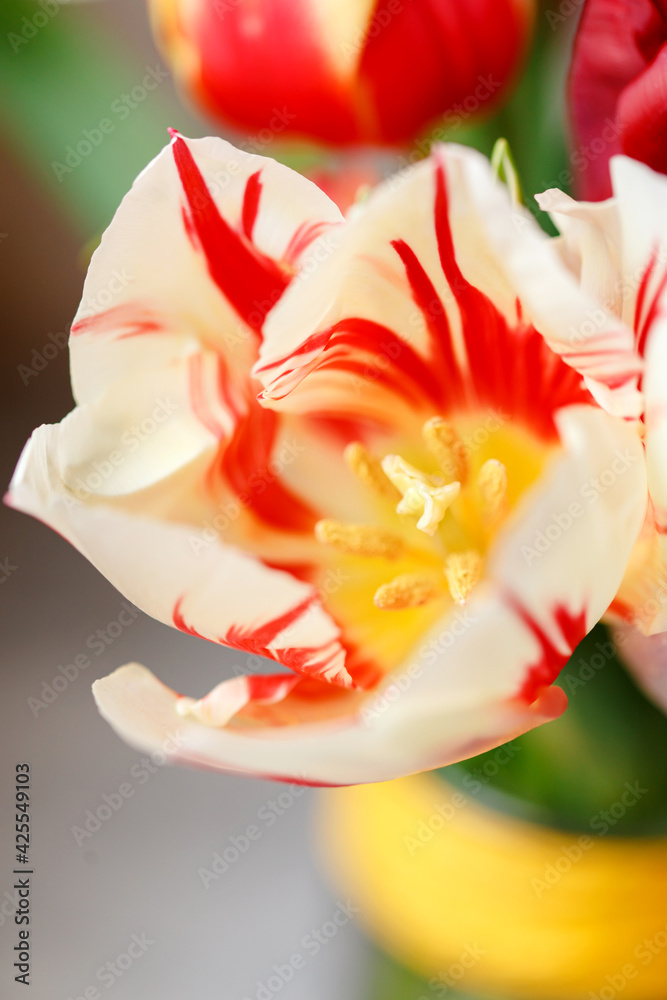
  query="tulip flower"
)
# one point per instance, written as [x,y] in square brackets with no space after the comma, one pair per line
[350,449]
[343,72]
[618,90]
[618,251]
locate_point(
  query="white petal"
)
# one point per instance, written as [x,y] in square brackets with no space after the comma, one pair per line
[151,275]
[174,574]
[499,249]
[570,539]
[592,235]
[641,197]
[646,656]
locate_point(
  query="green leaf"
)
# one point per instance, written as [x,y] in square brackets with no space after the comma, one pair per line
[566,772]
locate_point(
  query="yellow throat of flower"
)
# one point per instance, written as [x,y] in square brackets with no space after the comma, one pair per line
[440,502]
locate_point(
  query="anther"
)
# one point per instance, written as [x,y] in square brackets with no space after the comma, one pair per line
[447,448]
[360,539]
[368,470]
[492,483]
[409,590]
[463,571]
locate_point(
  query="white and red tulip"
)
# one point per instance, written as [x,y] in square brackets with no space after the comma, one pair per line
[343,71]
[617,249]
[370,522]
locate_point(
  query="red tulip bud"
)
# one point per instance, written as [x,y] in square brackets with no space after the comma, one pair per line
[343,71]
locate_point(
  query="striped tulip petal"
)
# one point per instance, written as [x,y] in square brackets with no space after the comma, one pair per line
[418,519]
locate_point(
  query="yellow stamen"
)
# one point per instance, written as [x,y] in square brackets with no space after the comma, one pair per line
[447,448]
[368,470]
[360,539]
[409,590]
[423,496]
[463,571]
[492,483]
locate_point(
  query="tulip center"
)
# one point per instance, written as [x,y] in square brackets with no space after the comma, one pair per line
[441,520]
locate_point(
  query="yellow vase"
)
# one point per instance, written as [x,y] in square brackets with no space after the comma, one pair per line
[488,904]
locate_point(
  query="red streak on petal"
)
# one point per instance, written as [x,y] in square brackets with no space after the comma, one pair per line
[546,669]
[304,235]
[224,386]
[253,191]
[247,464]
[315,342]
[309,661]
[301,781]
[433,311]
[301,571]
[353,344]
[256,640]
[643,286]
[624,610]
[270,688]
[130,318]
[642,331]
[363,670]
[198,397]
[412,372]
[510,367]
[251,282]
[180,622]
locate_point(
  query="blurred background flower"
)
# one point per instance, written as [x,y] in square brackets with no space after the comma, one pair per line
[344,71]
[618,90]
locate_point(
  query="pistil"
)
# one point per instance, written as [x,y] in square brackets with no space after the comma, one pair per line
[422,496]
